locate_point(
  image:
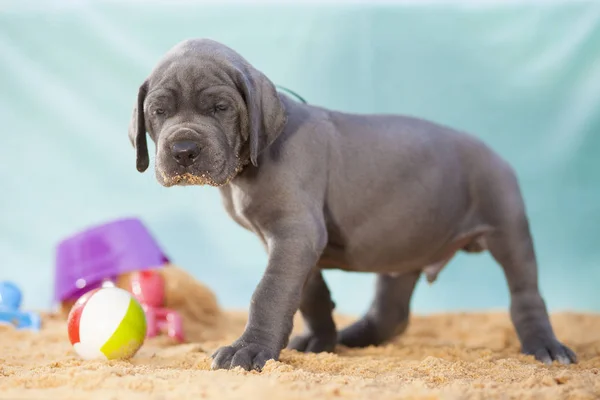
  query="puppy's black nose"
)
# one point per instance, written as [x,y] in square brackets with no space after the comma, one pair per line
[185,152]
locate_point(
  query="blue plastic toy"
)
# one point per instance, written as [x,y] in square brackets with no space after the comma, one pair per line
[10,313]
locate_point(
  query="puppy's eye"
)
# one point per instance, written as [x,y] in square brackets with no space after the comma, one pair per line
[220,107]
[159,111]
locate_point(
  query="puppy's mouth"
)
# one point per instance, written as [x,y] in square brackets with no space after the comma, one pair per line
[188,179]
[222,178]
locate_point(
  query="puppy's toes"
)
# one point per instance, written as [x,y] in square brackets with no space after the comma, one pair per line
[260,360]
[242,354]
[222,357]
[362,333]
[570,354]
[299,343]
[311,343]
[562,354]
[549,351]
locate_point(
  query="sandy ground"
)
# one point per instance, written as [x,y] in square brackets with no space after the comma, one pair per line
[449,356]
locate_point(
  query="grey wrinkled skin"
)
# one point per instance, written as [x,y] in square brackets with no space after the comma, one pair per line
[389,194]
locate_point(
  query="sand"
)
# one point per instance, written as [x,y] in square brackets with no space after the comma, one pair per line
[449,356]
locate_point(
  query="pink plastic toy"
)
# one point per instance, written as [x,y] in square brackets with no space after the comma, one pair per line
[148,287]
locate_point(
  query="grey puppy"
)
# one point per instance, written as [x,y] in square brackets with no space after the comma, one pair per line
[393,195]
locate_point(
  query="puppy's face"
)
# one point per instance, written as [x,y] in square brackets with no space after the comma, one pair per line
[208,113]
[198,123]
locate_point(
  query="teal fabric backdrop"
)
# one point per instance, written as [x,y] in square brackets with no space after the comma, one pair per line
[525,78]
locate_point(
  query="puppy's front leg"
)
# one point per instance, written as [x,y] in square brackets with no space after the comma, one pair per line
[294,249]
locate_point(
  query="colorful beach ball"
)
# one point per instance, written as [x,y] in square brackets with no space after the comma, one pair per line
[107,323]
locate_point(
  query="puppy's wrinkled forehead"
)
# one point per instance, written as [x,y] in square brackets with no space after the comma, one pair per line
[189,76]
[195,65]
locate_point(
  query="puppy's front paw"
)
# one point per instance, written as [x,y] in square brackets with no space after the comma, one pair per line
[248,356]
[312,343]
[548,350]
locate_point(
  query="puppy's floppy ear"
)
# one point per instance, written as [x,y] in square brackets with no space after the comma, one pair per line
[266,113]
[137,130]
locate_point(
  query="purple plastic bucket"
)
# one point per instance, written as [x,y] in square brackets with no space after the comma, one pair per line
[85,260]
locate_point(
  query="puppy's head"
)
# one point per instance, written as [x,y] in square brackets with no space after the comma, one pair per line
[208,111]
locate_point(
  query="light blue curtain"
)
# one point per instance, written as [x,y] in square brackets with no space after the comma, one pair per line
[524,77]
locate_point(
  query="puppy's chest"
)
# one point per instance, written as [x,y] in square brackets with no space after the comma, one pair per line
[237,204]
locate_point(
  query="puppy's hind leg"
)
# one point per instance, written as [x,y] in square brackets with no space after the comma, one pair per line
[316,308]
[511,245]
[388,315]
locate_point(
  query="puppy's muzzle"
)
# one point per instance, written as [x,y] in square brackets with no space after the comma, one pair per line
[185,152]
